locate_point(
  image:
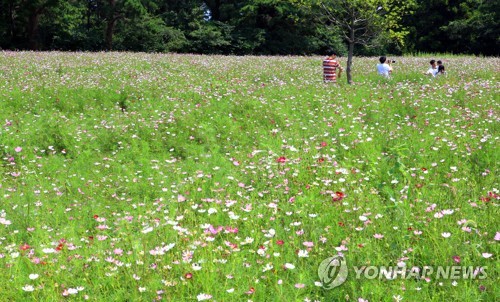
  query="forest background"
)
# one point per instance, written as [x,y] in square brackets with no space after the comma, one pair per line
[250,27]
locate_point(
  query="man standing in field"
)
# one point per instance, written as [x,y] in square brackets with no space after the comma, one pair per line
[330,65]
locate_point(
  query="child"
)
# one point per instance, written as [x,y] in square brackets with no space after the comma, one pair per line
[440,67]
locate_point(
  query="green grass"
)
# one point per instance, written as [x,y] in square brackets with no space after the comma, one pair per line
[109,158]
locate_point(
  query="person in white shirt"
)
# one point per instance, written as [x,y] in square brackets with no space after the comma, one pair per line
[433,70]
[383,68]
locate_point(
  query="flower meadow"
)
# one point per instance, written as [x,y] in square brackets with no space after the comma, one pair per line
[164,177]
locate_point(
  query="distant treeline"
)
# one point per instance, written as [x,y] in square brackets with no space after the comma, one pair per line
[261,27]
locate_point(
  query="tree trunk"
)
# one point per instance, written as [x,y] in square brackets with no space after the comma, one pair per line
[214,7]
[32,31]
[89,13]
[12,24]
[110,26]
[350,55]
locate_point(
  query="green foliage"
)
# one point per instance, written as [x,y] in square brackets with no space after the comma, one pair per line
[249,27]
[211,37]
[462,26]
[479,31]
[62,29]
[149,35]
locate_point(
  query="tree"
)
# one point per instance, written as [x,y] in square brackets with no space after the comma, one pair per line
[279,27]
[223,10]
[478,30]
[358,21]
[9,24]
[362,20]
[116,10]
[35,9]
[22,19]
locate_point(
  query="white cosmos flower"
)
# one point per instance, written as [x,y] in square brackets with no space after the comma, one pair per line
[202,297]
[303,253]
[446,234]
[268,267]
[147,230]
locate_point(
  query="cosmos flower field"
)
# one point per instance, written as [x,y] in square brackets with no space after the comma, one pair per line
[163,177]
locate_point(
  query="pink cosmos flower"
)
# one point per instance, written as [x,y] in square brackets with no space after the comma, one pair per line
[231,230]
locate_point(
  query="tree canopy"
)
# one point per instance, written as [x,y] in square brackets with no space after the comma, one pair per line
[283,27]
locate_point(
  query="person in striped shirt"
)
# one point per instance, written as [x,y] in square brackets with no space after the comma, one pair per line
[330,66]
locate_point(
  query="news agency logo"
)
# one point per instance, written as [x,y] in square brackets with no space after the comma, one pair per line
[333,272]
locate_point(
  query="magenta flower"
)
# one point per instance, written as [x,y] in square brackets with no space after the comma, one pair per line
[338,196]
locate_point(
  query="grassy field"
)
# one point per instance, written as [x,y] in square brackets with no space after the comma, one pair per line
[144,177]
